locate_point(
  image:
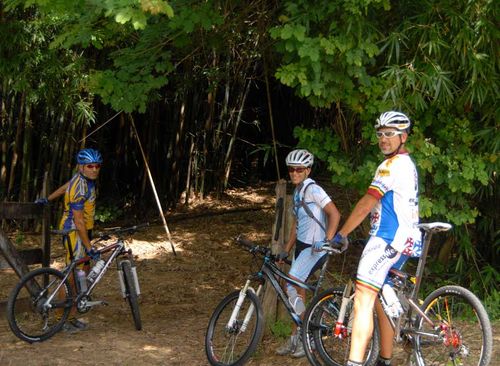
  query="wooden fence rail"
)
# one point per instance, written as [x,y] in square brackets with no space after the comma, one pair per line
[19,260]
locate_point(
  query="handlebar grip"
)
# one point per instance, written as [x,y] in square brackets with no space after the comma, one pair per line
[245,242]
[335,248]
[118,230]
[139,226]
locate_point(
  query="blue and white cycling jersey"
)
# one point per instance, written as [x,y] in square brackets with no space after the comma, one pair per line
[308,230]
[395,216]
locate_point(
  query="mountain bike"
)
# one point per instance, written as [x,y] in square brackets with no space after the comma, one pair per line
[237,323]
[41,302]
[450,327]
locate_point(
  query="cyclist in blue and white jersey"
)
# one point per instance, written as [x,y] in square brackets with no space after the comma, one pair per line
[392,200]
[316,220]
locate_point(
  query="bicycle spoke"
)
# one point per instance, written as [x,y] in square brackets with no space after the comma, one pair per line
[33,317]
[458,333]
[232,346]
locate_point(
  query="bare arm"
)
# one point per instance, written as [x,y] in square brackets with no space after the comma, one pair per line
[333,216]
[358,214]
[58,192]
[292,237]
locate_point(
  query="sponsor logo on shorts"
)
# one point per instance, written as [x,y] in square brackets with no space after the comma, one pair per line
[389,253]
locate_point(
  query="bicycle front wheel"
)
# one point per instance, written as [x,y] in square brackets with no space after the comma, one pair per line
[131,293]
[31,315]
[327,340]
[233,344]
[461,331]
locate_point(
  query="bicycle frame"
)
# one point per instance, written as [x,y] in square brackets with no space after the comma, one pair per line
[412,300]
[117,248]
[270,271]
[348,295]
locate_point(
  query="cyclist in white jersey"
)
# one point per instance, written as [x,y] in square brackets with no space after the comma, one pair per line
[316,220]
[392,199]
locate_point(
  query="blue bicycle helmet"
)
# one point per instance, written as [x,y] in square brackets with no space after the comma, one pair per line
[89,156]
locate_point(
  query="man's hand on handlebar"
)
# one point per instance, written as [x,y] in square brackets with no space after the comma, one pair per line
[339,242]
[93,253]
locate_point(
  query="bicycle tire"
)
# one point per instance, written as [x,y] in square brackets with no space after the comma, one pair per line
[131,293]
[462,326]
[226,347]
[27,319]
[322,346]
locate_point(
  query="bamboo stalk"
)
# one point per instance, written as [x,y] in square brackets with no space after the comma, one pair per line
[271,120]
[153,187]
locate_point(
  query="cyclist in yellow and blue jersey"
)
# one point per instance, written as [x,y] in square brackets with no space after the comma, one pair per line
[78,215]
[79,209]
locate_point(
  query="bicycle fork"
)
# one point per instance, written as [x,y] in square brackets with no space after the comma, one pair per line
[232,323]
[341,331]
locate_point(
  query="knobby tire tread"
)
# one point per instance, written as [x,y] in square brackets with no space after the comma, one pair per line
[480,311]
[131,293]
[321,356]
[214,322]
[14,302]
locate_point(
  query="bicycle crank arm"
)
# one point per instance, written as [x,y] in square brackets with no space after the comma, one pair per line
[97,302]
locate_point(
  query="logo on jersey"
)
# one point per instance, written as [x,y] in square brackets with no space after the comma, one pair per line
[412,248]
[384,173]
[389,161]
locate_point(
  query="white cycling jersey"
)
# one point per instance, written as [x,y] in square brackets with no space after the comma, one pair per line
[395,216]
[308,230]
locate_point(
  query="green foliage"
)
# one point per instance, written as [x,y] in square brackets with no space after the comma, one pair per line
[491,304]
[281,329]
[436,61]
[327,52]
[107,213]
[20,238]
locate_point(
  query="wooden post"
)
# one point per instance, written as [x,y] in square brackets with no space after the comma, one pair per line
[11,255]
[46,225]
[269,301]
[16,261]
[19,261]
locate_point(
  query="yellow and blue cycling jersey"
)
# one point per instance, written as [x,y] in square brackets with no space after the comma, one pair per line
[80,195]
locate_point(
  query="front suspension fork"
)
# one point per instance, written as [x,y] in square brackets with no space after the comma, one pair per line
[234,315]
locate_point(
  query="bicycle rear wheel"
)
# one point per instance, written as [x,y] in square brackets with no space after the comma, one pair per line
[131,293]
[461,334]
[234,345]
[31,316]
[318,331]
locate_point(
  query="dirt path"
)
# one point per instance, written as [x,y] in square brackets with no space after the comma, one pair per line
[178,296]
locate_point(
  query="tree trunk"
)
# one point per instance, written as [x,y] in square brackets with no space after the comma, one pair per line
[17,143]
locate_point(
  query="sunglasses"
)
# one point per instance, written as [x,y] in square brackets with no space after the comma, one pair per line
[299,170]
[93,166]
[388,134]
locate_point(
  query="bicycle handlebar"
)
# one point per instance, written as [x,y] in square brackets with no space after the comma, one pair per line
[105,235]
[119,230]
[253,248]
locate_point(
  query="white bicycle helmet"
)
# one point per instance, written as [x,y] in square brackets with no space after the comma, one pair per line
[300,157]
[393,119]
